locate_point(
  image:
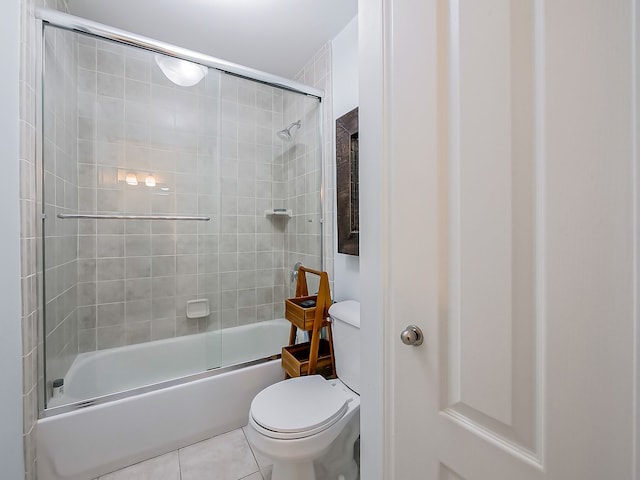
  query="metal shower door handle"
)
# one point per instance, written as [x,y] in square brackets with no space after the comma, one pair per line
[412,335]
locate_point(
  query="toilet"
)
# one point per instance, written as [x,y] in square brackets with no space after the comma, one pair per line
[307,426]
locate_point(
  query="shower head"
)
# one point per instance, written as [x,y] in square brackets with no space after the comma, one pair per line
[285,134]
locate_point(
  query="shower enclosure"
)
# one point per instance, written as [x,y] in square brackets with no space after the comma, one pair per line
[173,211]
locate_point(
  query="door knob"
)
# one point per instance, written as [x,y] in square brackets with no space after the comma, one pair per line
[412,335]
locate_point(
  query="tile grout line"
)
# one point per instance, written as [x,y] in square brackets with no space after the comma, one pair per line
[179,463]
[252,453]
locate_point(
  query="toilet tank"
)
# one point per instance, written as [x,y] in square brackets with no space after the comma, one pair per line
[345,317]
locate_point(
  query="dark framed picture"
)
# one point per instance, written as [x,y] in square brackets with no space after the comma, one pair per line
[347,161]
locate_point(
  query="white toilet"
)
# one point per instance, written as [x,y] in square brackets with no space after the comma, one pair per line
[308,425]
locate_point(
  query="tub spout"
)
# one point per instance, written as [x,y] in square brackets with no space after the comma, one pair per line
[294,272]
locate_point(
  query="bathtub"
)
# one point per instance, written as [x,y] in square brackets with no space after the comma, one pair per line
[85,443]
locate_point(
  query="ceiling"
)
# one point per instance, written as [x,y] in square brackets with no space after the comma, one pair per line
[275,36]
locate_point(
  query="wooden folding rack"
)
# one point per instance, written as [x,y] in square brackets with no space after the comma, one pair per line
[316,355]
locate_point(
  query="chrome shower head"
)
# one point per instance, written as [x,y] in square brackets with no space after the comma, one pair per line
[285,134]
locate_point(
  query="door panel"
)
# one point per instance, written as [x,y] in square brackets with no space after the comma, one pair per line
[511,161]
[490,125]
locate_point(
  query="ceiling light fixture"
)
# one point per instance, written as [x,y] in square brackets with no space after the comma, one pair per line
[181,72]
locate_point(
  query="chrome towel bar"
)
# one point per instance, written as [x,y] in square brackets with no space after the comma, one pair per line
[199,218]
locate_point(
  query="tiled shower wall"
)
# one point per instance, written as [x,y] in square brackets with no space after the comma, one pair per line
[60,196]
[310,166]
[303,161]
[252,172]
[146,147]
[136,277]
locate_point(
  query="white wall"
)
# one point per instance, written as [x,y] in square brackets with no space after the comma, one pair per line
[11,454]
[372,230]
[344,55]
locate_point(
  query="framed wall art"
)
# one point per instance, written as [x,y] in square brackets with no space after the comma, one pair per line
[347,161]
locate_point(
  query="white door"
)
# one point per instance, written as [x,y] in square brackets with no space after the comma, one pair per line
[511,127]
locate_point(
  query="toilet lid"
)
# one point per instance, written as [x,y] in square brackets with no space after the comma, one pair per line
[299,405]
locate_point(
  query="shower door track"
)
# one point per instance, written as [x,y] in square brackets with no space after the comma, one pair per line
[82,25]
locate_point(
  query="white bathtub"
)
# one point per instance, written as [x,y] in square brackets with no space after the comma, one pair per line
[83,444]
[104,372]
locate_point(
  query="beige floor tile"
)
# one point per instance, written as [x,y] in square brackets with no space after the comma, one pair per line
[164,467]
[225,457]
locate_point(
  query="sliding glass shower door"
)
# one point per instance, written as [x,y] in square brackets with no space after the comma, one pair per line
[131,193]
[173,211]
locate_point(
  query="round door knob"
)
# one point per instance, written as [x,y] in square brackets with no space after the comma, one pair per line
[412,335]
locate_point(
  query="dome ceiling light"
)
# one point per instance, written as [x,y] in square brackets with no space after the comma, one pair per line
[181,72]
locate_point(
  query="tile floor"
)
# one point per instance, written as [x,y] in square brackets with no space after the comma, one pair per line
[225,457]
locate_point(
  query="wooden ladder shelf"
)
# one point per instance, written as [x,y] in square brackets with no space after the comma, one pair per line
[316,355]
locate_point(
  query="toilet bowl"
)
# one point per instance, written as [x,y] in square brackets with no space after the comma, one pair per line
[307,426]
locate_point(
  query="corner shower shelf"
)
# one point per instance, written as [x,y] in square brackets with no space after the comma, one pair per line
[309,313]
[278,212]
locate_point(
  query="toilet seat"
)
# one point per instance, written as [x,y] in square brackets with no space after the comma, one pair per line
[298,407]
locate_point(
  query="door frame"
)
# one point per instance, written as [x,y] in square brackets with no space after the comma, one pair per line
[12,131]
[373,42]
[635,112]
